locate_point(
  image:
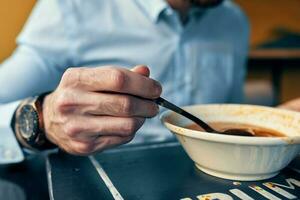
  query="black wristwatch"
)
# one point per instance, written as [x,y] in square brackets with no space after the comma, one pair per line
[28,124]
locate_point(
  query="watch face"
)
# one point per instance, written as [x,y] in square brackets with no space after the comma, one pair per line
[28,122]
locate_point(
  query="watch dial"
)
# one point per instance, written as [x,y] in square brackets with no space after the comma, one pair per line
[28,122]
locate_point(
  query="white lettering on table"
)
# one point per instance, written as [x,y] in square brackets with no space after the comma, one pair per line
[263,192]
[290,182]
[240,194]
[213,196]
[277,189]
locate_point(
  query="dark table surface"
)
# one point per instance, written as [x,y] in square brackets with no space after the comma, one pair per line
[156,172]
[26,180]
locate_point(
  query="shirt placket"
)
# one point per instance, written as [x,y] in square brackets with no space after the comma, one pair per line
[181,78]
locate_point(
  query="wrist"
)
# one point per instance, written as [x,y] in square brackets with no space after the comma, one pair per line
[46,115]
[29,124]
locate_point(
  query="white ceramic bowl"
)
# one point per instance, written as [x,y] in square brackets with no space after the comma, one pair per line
[237,157]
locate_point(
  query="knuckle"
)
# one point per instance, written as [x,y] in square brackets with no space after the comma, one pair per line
[72,77]
[130,127]
[63,101]
[84,148]
[127,106]
[156,88]
[72,129]
[118,78]
[154,109]
[68,75]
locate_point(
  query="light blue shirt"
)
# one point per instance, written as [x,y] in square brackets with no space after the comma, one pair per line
[200,62]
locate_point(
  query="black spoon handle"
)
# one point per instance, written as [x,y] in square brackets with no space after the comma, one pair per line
[164,103]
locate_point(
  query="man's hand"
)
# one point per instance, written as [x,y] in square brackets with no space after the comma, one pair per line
[97,108]
[291,105]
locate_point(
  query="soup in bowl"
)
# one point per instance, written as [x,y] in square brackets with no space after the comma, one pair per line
[274,144]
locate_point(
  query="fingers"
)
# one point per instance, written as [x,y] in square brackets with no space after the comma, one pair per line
[122,106]
[100,144]
[109,104]
[142,70]
[106,142]
[91,127]
[112,79]
[86,135]
[97,108]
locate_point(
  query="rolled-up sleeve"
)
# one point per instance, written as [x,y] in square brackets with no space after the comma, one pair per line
[44,51]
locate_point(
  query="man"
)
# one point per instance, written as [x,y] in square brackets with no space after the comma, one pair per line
[85,52]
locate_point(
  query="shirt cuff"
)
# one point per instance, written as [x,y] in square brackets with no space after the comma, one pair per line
[10,151]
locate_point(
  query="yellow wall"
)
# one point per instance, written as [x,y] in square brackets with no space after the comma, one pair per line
[13,14]
[267,15]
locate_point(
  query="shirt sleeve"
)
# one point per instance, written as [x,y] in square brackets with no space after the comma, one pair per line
[44,51]
[10,151]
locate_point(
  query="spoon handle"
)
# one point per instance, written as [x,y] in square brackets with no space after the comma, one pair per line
[164,103]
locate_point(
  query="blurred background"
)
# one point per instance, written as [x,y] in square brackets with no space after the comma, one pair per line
[274,59]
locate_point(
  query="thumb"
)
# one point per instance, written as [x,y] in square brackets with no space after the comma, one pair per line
[142,70]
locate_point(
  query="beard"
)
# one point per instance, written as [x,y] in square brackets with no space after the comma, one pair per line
[205,3]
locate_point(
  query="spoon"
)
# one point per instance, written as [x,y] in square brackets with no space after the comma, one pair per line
[164,103]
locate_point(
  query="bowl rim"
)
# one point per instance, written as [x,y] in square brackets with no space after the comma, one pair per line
[214,137]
